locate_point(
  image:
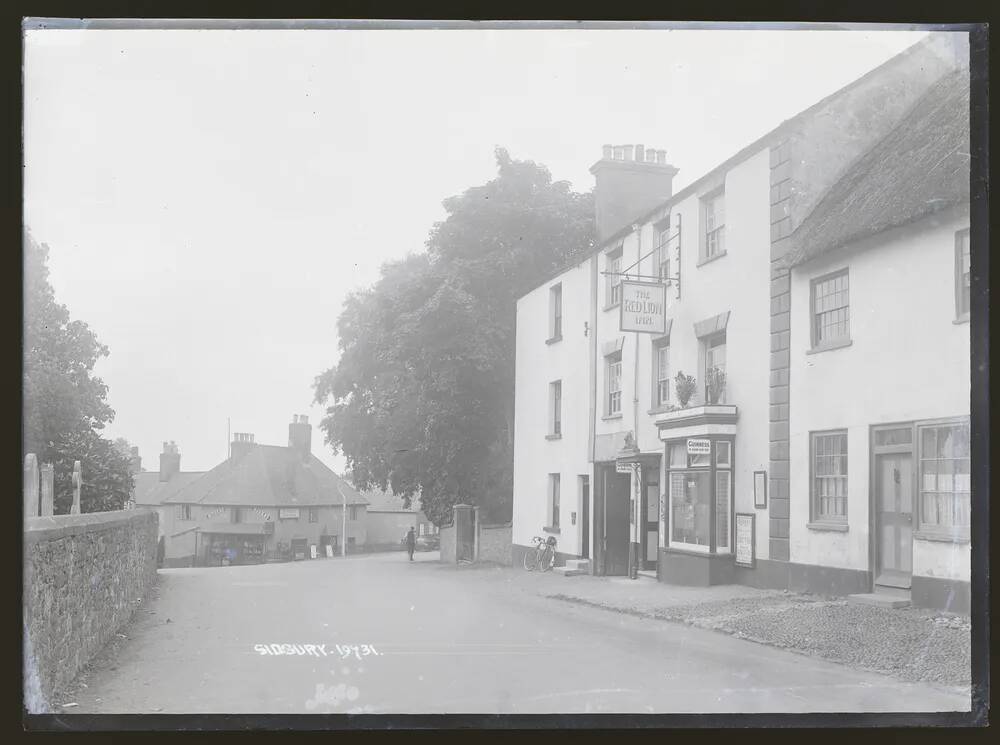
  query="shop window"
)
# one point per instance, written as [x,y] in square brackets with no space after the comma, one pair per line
[831,310]
[612,278]
[700,491]
[613,376]
[963,274]
[554,500]
[829,476]
[945,478]
[555,313]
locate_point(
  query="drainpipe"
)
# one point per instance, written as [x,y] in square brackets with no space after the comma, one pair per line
[592,422]
[633,557]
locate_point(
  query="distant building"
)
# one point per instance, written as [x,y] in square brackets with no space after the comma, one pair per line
[152,487]
[263,503]
[388,520]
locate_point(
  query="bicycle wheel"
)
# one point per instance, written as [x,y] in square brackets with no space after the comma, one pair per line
[530,559]
[546,559]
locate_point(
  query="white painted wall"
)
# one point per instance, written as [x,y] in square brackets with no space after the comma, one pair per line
[908,361]
[537,365]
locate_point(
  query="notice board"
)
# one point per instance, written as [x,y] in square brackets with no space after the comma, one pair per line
[745,539]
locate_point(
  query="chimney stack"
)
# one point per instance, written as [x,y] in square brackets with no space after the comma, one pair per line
[135,462]
[631,181]
[170,461]
[242,444]
[300,436]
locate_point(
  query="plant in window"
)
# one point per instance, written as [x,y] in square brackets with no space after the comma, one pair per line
[685,386]
[716,382]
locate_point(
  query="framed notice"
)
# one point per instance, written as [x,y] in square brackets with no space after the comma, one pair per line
[745,539]
[760,489]
[643,307]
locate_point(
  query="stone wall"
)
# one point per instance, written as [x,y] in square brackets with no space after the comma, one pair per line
[84,575]
[449,546]
[495,544]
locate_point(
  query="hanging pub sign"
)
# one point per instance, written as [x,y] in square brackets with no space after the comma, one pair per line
[745,538]
[643,307]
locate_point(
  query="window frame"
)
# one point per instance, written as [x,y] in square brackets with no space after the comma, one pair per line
[660,345]
[662,255]
[610,361]
[314,514]
[932,531]
[555,313]
[962,238]
[708,343]
[815,344]
[708,204]
[815,518]
[555,409]
[553,502]
[613,265]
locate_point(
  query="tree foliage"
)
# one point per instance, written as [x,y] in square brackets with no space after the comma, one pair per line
[64,402]
[421,400]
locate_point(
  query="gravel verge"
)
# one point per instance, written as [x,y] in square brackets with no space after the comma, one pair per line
[912,644]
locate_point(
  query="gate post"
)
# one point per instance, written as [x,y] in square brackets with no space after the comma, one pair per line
[30,486]
[47,488]
[475,534]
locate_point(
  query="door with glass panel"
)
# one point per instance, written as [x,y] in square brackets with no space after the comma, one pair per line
[894,518]
[651,522]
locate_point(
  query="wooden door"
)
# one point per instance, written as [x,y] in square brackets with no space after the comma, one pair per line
[616,525]
[894,519]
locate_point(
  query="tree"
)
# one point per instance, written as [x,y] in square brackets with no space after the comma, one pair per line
[64,402]
[422,397]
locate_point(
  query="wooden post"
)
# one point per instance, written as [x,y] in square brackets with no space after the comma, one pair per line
[30,486]
[77,486]
[47,488]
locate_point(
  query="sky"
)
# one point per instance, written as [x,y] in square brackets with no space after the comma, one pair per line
[210,198]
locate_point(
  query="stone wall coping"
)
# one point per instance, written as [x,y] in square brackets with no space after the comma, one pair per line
[59,526]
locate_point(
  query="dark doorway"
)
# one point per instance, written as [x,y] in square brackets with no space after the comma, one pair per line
[585,517]
[465,534]
[616,522]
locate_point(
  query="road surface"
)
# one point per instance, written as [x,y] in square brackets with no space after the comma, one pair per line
[442,639]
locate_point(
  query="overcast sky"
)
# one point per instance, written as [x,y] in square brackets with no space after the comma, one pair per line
[211,197]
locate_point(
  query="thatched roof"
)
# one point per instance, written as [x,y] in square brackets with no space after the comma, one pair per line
[920,167]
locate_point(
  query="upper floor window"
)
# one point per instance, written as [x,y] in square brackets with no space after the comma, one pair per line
[613,278]
[829,471]
[555,408]
[555,312]
[714,213]
[831,310]
[715,368]
[236,515]
[613,370]
[661,360]
[945,478]
[353,514]
[963,274]
[313,515]
[662,255]
[184,512]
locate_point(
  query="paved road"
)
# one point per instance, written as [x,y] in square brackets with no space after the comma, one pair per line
[449,640]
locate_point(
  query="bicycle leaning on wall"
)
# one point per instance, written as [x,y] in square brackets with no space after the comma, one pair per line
[543,556]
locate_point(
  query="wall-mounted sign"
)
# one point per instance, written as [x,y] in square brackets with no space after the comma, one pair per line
[312,550]
[745,539]
[699,447]
[288,513]
[760,489]
[643,307]
[329,551]
[624,467]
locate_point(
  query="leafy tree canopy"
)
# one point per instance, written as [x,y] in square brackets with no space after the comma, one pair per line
[64,402]
[421,400]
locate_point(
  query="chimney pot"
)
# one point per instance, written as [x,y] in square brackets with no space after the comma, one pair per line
[608,152]
[661,156]
[619,153]
[640,154]
[628,152]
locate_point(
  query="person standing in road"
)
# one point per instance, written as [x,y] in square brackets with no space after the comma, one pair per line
[411,542]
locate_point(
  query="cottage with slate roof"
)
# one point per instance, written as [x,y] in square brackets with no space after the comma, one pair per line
[263,503]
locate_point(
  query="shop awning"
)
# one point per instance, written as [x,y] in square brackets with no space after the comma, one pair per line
[265,528]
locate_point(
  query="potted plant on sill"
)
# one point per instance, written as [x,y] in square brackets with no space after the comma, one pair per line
[715,385]
[685,385]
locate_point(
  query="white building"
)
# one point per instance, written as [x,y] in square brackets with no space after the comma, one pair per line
[591,401]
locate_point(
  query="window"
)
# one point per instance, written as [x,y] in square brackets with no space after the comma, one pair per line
[661,360]
[700,489]
[715,225]
[422,527]
[554,500]
[945,475]
[715,368]
[555,312]
[313,515]
[613,278]
[829,477]
[555,409]
[831,310]
[236,515]
[613,403]
[184,512]
[963,274]
[353,514]
[662,255]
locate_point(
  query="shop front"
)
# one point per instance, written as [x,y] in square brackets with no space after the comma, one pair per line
[235,544]
[697,520]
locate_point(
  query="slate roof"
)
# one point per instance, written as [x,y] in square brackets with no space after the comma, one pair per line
[269,476]
[922,166]
[149,490]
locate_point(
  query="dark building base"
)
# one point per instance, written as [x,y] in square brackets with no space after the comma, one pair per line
[700,570]
[518,551]
[950,595]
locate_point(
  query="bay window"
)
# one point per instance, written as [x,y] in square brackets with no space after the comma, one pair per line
[700,489]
